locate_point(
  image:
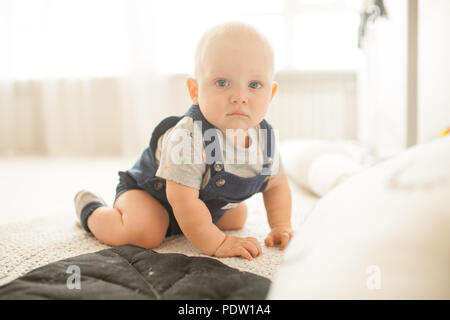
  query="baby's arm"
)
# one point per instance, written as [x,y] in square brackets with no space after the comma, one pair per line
[195,221]
[278,203]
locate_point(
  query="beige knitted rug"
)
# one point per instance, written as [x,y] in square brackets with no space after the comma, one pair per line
[29,243]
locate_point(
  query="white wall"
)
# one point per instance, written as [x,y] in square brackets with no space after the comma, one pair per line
[383,81]
[434,68]
[386,103]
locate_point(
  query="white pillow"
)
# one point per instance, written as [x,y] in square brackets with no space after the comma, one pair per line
[319,165]
[383,234]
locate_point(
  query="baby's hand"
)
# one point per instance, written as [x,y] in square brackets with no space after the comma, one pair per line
[280,235]
[232,246]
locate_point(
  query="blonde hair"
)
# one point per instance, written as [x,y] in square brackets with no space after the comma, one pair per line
[229,29]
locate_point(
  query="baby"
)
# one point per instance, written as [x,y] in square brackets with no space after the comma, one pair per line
[200,193]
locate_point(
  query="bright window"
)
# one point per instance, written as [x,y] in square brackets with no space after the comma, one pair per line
[325,40]
[66,38]
[60,38]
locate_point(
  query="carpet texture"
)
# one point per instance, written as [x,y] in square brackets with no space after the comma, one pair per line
[31,243]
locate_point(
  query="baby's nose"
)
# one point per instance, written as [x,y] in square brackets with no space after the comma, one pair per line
[239,98]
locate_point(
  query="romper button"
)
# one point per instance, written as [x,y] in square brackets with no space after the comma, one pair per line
[220,182]
[158,185]
[269,160]
[218,167]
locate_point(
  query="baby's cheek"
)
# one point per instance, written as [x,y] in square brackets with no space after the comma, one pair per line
[260,113]
[214,117]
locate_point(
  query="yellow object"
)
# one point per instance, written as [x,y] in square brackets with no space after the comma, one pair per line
[446,131]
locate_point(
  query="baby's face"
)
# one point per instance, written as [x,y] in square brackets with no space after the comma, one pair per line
[235,83]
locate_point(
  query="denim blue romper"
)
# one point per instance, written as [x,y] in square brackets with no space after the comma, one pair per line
[223,187]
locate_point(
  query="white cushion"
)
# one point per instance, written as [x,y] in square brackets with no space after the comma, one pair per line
[319,165]
[381,234]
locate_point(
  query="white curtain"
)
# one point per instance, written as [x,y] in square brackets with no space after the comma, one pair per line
[93,77]
[49,107]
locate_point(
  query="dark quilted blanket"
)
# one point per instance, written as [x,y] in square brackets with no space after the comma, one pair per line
[130,272]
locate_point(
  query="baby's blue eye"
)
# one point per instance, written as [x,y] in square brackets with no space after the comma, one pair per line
[222,83]
[255,85]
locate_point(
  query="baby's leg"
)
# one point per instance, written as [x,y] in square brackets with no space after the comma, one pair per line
[137,218]
[233,219]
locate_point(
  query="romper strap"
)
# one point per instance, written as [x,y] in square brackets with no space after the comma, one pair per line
[162,127]
[169,122]
[267,133]
[210,137]
[195,113]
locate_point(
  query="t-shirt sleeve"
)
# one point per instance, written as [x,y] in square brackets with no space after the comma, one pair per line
[181,156]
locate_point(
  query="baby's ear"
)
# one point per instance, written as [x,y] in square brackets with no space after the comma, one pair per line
[274,89]
[193,89]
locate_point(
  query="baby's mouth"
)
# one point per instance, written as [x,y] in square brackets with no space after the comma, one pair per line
[237,113]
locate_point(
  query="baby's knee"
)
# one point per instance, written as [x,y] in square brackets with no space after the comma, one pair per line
[234,219]
[149,243]
[145,238]
[241,217]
